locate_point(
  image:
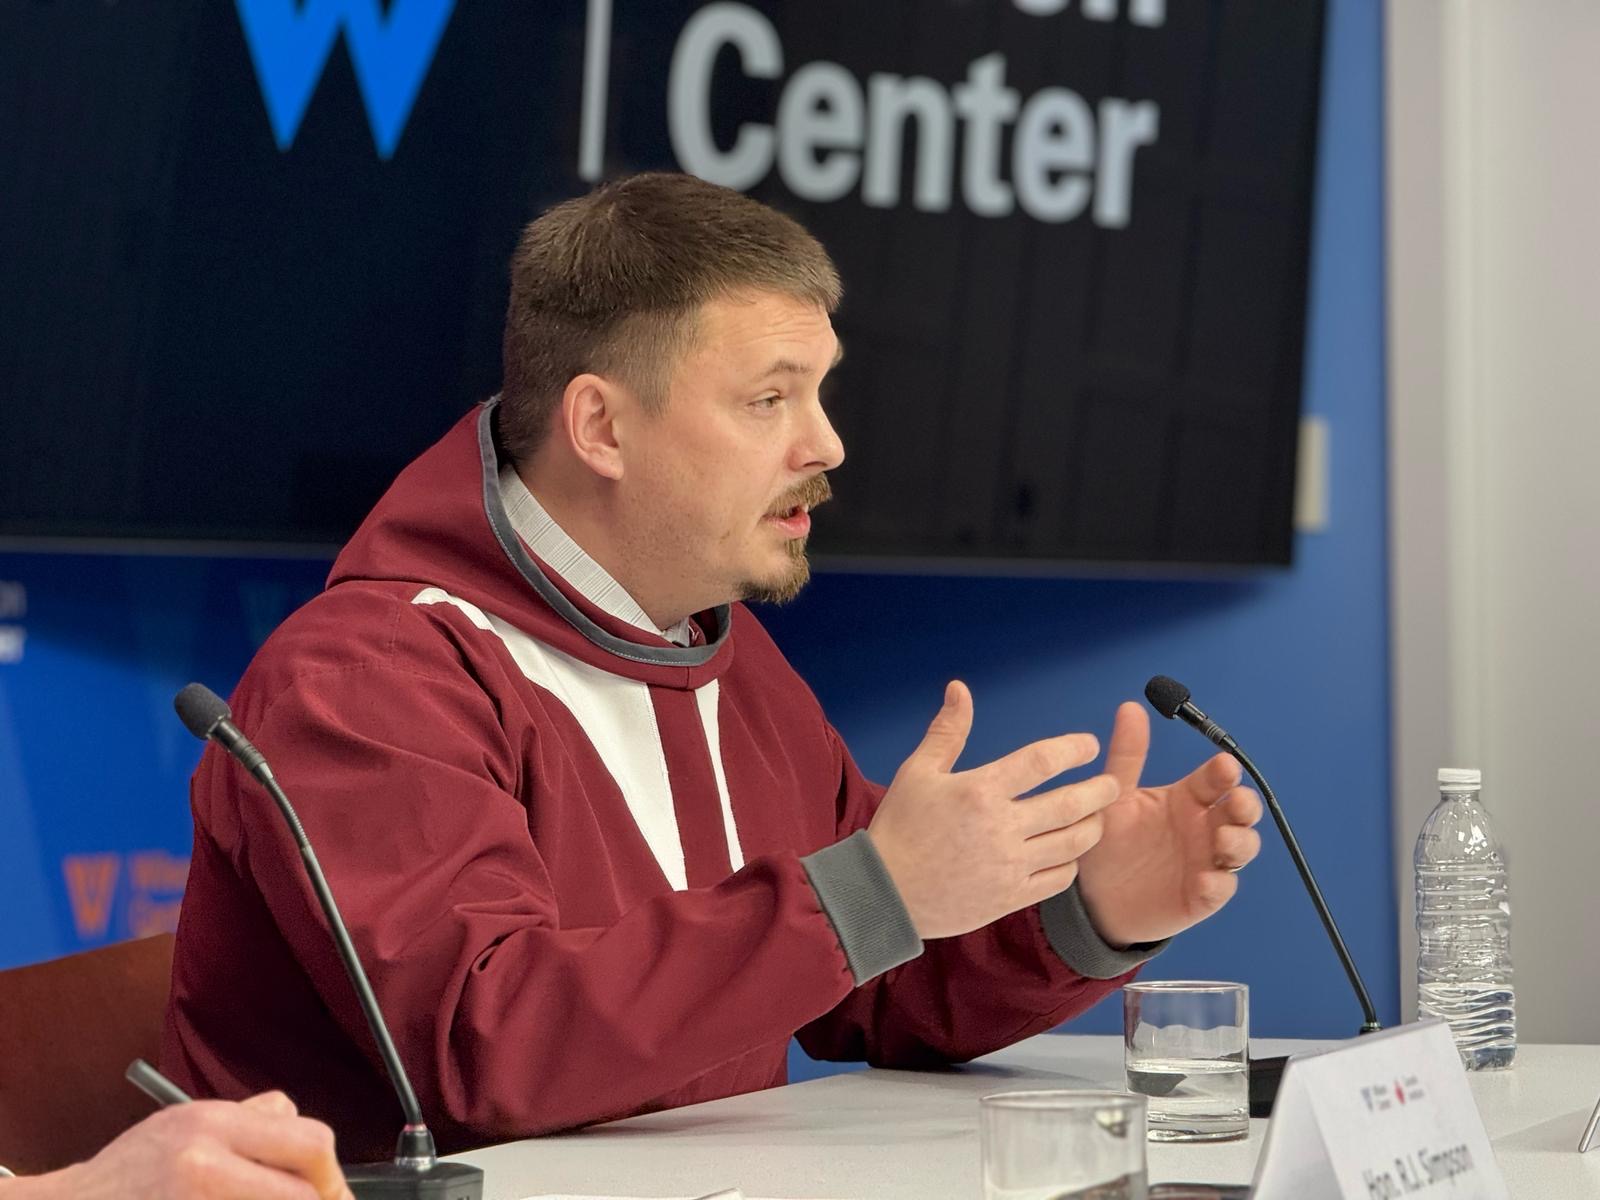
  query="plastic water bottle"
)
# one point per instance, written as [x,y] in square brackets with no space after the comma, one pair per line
[1464,925]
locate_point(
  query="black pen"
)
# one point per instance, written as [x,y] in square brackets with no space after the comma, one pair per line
[154,1084]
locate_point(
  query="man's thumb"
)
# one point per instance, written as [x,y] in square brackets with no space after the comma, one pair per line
[947,733]
[1130,743]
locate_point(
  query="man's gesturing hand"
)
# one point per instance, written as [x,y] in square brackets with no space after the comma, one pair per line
[1166,859]
[962,847]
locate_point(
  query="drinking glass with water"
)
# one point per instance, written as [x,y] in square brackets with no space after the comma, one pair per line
[1062,1145]
[1185,1048]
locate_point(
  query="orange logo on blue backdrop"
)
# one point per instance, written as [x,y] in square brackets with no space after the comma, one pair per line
[91,886]
[108,902]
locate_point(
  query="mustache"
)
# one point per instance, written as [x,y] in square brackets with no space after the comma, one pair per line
[810,494]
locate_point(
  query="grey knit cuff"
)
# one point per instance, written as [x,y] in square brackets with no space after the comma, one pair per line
[1073,936]
[858,896]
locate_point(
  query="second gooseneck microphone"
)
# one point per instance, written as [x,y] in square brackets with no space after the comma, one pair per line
[416,1171]
[1171,699]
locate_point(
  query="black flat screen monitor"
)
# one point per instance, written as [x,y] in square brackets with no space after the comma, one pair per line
[254,252]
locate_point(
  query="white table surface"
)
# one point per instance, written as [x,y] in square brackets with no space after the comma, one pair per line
[913,1135]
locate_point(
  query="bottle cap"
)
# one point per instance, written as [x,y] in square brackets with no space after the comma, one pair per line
[1460,777]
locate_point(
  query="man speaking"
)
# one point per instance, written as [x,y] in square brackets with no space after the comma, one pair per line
[598,846]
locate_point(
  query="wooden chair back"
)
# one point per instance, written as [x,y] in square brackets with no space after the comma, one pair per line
[68,1030]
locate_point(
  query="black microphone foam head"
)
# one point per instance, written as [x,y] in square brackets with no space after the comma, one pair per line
[199,708]
[1166,695]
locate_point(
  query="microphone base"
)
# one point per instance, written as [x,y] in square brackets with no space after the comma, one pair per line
[1267,1073]
[1265,1076]
[442,1181]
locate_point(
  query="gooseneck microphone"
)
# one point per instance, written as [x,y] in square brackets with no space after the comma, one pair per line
[416,1170]
[1171,699]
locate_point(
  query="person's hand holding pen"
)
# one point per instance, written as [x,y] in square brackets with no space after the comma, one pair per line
[256,1149]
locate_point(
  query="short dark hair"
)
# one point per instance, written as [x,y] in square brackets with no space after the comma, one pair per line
[612,281]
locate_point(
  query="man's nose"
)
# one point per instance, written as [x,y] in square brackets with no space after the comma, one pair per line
[820,447]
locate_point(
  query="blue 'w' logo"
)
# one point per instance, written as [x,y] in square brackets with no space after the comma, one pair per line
[290,41]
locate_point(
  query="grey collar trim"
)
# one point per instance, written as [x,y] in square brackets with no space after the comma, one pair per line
[500,522]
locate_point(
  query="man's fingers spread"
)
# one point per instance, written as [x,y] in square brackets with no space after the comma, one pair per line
[1239,807]
[1222,772]
[1025,769]
[1213,889]
[1211,780]
[1062,846]
[1234,845]
[1050,882]
[1066,805]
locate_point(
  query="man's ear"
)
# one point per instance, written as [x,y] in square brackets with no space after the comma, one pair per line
[587,421]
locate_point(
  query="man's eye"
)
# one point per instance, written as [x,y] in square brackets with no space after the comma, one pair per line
[767,401]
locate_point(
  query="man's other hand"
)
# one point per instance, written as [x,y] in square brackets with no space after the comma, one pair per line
[1167,856]
[258,1149]
[966,848]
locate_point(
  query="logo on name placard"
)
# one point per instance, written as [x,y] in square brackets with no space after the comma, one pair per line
[1393,1093]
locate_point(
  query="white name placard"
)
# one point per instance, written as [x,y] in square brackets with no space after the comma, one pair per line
[1388,1116]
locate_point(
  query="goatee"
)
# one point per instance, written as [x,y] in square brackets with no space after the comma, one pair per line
[786,587]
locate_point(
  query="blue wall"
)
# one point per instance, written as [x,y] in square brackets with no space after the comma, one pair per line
[93,767]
